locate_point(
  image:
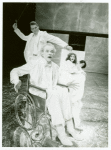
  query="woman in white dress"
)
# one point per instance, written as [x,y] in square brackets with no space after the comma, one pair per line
[72,75]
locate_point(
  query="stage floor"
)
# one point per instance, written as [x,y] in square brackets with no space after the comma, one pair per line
[94,114]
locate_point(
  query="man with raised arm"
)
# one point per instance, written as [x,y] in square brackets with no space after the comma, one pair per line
[36,40]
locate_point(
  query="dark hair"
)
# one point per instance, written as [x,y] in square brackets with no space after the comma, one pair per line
[33,23]
[69,55]
[83,61]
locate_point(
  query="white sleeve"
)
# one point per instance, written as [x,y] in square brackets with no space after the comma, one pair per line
[20,71]
[21,35]
[55,40]
[66,66]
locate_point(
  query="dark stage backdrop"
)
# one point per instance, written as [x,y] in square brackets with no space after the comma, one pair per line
[13,46]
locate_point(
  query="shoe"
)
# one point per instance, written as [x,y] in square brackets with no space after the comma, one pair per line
[65,140]
[73,141]
[62,136]
[74,133]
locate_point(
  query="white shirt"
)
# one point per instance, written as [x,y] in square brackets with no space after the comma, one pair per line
[33,46]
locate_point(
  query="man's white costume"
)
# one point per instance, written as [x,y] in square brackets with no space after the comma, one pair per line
[35,43]
[46,75]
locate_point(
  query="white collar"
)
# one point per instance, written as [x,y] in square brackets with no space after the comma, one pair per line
[46,63]
[37,34]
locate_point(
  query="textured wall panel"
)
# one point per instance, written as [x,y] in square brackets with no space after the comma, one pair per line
[96,54]
[94,18]
[44,15]
[83,17]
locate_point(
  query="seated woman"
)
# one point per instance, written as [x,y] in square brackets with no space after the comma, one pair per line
[44,73]
[72,75]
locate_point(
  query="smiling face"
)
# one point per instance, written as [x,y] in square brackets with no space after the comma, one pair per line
[72,58]
[34,29]
[48,53]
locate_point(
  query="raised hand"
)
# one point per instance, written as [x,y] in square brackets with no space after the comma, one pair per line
[75,86]
[68,48]
[17,86]
[14,26]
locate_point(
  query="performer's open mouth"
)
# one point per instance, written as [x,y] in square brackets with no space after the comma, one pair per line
[49,57]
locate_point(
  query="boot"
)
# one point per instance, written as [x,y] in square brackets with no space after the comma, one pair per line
[62,136]
[75,134]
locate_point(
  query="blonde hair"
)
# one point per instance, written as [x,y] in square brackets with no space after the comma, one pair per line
[48,44]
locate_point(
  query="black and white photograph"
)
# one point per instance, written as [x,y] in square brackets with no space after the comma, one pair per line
[55,69]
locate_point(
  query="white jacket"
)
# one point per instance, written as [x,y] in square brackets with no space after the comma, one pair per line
[38,77]
[42,38]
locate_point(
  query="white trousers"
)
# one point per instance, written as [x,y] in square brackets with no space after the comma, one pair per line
[76,110]
[59,106]
[77,88]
